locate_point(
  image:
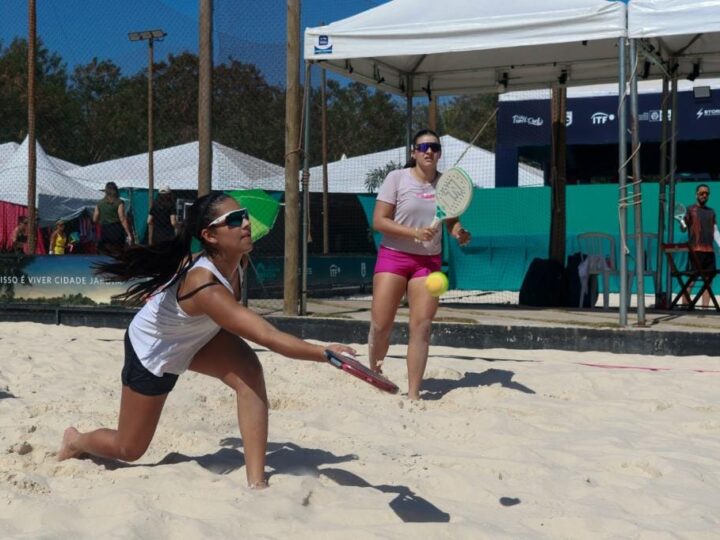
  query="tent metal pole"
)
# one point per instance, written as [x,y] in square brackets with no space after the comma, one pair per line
[661,295]
[622,176]
[637,186]
[673,165]
[408,117]
[305,190]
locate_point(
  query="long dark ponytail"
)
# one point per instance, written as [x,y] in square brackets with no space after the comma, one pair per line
[155,265]
[426,131]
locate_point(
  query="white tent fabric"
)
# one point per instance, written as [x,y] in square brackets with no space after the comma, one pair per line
[177,167]
[688,30]
[348,175]
[464,46]
[58,195]
[9,148]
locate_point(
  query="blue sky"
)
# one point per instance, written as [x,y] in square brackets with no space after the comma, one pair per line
[249,30]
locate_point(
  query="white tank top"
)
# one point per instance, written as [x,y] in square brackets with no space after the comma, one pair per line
[164,337]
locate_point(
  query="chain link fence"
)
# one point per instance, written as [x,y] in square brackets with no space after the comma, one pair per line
[92,128]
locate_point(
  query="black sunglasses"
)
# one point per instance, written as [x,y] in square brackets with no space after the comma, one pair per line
[425,146]
[234,218]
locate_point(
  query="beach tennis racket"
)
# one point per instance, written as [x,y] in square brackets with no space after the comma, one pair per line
[349,365]
[679,214]
[453,193]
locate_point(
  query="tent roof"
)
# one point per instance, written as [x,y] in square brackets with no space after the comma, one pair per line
[688,30]
[177,167]
[50,180]
[58,195]
[348,175]
[462,46]
[8,149]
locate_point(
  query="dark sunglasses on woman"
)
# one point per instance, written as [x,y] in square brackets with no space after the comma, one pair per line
[234,218]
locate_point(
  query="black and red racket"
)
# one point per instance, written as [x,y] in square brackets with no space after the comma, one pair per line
[349,365]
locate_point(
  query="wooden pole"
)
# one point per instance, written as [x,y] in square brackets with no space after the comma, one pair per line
[32,157]
[205,99]
[323,121]
[151,162]
[433,114]
[292,160]
[559,177]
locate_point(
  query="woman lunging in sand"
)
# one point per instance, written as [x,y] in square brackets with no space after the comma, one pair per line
[191,320]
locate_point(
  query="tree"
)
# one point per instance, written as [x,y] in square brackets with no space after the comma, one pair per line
[465,115]
[114,121]
[248,113]
[375,177]
[360,121]
[58,114]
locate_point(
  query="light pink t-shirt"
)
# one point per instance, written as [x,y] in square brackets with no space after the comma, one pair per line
[414,203]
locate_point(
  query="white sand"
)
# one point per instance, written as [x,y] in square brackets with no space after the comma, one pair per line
[530,445]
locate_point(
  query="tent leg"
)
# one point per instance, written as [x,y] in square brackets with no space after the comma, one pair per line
[622,176]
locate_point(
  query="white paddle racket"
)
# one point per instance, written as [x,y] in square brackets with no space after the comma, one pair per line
[453,193]
[679,214]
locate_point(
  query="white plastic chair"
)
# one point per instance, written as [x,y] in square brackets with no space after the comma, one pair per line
[649,242]
[598,258]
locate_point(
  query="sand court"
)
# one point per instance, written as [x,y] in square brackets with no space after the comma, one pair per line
[504,444]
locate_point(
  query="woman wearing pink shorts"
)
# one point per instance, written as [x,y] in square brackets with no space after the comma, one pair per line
[410,250]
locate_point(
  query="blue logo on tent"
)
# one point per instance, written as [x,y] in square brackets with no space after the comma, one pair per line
[323,45]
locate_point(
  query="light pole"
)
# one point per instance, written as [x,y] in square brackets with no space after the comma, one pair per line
[150,36]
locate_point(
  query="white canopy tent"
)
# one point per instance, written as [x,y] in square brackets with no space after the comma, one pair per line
[9,148]
[177,167]
[58,195]
[463,46]
[418,47]
[348,175]
[686,31]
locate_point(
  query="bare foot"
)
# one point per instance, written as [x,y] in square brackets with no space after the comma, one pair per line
[376,366]
[261,484]
[67,450]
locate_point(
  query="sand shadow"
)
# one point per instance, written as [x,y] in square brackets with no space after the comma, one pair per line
[6,395]
[289,458]
[224,461]
[434,389]
[406,505]
[468,357]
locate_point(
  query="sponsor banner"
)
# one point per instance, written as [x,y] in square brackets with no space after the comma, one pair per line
[70,280]
[324,272]
[593,120]
[59,279]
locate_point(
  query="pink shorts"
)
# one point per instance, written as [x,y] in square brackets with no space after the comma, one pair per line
[408,265]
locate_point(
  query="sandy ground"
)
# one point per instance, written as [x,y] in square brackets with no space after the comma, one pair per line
[505,444]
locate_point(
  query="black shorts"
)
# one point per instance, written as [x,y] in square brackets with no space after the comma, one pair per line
[706,259]
[138,378]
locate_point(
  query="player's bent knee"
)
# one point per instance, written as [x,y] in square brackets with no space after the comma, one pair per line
[248,379]
[132,453]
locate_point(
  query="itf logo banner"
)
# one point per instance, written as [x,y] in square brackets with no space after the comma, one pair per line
[593,120]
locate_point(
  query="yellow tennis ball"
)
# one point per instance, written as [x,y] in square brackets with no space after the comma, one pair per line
[437,284]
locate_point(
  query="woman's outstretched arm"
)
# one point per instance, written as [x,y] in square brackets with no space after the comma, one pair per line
[218,303]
